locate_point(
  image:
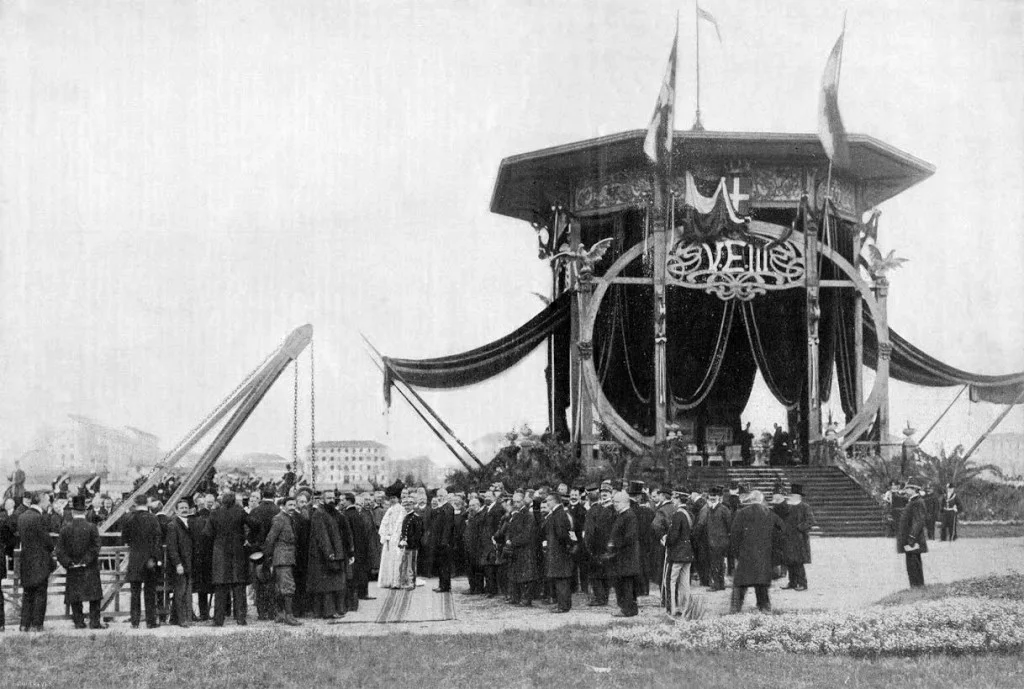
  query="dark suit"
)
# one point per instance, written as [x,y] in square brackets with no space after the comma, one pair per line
[756,533]
[625,562]
[259,521]
[595,535]
[202,561]
[78,551]
[471,548]
[361,551]
[521,538]
[558,557]
[36,566]
[8,538]
[143,535]
[911,531]
[491,523]
[181,551]
[443,543]
[230,566]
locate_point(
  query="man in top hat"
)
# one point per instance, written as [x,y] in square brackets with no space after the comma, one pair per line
[950,507]
[713,527]
[732,501]
[641,507]
[755,530]
[796,541]
[180,559]
[912,535]
[78,551]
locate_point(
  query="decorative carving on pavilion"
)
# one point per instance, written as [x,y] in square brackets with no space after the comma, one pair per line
[625,188]
[732,269]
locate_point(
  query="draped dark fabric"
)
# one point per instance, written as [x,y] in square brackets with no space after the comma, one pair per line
[912,365]
[777,335]
[477,365]
[840,304]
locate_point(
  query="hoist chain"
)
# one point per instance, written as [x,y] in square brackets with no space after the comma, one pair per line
[312,413]
[295,418]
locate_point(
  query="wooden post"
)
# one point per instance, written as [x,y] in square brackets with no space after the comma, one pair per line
[658,277]
[574,335]
[585,350]
[858,335]
[812,425]
[881,288]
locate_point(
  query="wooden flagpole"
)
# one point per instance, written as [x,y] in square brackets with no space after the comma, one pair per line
[698,126]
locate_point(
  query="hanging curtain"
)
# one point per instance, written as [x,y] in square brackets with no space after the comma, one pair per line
[777,335]
[912,365]
[697,331]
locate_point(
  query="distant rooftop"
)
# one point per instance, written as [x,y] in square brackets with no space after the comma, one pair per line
[329,444]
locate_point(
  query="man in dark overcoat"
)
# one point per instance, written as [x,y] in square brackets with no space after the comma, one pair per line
[37,561]
[796,542]
[715,522]
[258,522]
[598,526]
[521,540]
[755,530]
[663,511]
[558,547]
[442,534]
[180,563]
[230,565]
[373,566]
[641,507]
[732,501]
[912,535]
[303,513]
[623,555]
[279,549]
[143,535]
[325,571]
[493,515]
[578,513]
[202,554]
[78,551]
[471,546]
[361,551]
[8,538]
[679,556]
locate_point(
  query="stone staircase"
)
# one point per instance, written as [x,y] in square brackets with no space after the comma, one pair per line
[842,508]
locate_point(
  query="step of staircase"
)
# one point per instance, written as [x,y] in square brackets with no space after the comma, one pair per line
[842,508]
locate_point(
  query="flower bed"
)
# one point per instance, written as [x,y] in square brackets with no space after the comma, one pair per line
[951,625]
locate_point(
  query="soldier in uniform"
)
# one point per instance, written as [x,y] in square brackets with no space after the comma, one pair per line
[78,551]
[409,542]
[663,510]
[912,536]
[951,506]
[279,548]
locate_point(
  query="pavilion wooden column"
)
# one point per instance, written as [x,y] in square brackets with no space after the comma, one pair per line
[582,422]
[812,424]
[658,276]
[858,336]
[881,288]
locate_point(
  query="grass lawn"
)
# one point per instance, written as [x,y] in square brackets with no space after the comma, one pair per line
[563,658]
[1000,587]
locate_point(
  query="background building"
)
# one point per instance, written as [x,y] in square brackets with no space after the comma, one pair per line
[81,445]
[415,470]
[349,464]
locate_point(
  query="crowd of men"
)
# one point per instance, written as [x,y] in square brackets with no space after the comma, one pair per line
[314,555]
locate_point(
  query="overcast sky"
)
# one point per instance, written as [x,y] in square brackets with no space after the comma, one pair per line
[185,182]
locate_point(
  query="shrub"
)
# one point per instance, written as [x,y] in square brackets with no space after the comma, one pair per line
[951,625]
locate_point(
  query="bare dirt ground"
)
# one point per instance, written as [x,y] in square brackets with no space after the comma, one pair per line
[846,573]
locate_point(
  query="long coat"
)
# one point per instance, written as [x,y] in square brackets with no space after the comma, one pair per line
[644,518]
[202,552]
[912,529]
[36,548]
[623,553]
[755,531]
[144,537]
[522,534]
[366,518]
[325,545]
[361,539]
[660,525]
[596,530]
[796,541]
[78,551]
[229,562]
[493,516]
[559,561]
[714,525]
[471,538]
[259,520]
[442,530]
[180,547]
[8,537]
[281,541]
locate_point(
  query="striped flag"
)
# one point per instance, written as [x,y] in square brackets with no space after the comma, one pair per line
[708,17]
[658,143]
[830,123]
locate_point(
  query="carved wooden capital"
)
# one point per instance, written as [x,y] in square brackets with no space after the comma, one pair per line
[586,349]
[884,350]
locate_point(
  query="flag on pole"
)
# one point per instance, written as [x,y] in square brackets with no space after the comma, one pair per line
[830,123]
[658,143]
[708,17]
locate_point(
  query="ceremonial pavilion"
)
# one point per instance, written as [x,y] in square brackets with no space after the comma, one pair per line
[669,293]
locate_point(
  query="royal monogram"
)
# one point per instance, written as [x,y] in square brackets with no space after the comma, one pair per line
[732,269]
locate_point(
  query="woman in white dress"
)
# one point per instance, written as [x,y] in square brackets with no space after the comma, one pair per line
[390,534]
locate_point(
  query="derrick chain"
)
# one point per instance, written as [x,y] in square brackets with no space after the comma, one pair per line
[295,417]
[312,414]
